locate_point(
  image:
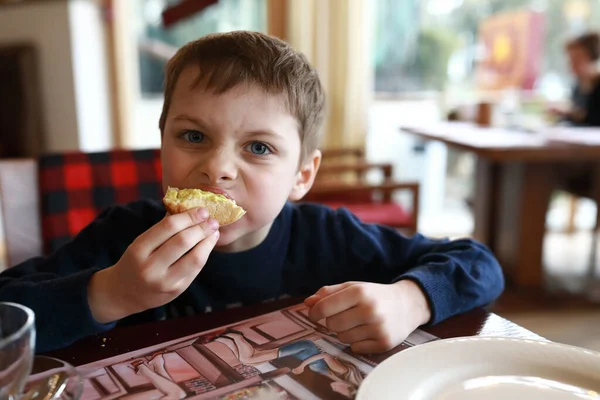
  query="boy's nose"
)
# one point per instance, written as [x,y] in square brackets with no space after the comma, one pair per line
[220,167]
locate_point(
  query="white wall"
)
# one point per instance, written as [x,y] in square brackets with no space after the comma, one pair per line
[90,67]
[386,143]
[145,125]
[46,24]
[71,43]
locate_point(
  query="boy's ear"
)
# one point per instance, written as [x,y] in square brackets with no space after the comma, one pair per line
[306,176]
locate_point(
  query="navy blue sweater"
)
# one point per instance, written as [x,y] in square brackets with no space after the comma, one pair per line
[308,246]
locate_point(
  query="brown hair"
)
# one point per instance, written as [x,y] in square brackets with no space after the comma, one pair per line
[589,42]
[227,60]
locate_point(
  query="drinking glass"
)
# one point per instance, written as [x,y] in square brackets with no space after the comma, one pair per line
[23,376]
[17,343]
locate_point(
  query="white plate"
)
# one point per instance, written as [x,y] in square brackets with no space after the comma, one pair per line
[486,368]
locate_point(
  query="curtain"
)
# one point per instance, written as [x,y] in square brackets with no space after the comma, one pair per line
[335,36]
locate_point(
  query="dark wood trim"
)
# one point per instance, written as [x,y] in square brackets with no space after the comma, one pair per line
[357,152]
[21,114]
[277,18]
[359,167]
[485,202]
[184,9]
[15,3]
[523,200]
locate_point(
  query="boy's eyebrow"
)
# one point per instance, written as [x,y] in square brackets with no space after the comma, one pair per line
[264,132]
[196,121]
[200,123]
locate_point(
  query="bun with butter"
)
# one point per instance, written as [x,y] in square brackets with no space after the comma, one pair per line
[219,207]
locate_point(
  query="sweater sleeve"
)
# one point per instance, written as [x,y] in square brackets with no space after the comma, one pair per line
[55,287]
[456,276]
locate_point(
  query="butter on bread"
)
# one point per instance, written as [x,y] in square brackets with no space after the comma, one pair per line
[219,207]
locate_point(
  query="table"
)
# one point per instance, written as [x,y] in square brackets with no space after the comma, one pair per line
[125,339]
[515,176]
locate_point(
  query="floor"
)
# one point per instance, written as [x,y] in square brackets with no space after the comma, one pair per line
[564,315]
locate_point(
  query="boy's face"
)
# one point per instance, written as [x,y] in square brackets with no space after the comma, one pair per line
[243,143]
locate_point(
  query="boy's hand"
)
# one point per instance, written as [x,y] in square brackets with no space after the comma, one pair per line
[156,268]
[371,317]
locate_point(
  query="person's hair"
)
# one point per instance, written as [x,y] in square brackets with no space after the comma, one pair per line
[227,60]
[589,42]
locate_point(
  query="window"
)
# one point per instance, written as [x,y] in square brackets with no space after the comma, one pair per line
[423,45]
[157,43]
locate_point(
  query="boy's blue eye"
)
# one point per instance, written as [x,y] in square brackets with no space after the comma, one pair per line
[259,148]
[193,136]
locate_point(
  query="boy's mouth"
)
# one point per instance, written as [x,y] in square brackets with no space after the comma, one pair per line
[215,190]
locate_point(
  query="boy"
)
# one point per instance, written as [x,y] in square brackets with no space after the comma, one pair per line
[241,116]
[583,53]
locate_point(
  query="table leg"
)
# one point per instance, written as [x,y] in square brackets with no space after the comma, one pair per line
[523,200]
[591,275]
[486,201]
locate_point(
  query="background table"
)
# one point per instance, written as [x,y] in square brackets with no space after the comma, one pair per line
[515,176]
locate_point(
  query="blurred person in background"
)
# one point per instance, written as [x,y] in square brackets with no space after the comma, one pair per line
[583,53]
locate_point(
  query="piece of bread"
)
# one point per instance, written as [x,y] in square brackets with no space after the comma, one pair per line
[219,207]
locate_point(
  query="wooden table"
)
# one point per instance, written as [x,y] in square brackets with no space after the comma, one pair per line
[516,174]
[125,339]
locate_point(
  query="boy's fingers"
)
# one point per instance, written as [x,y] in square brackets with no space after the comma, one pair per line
[168,227]
[189,266]
[331,289]
[177,246]
[356,334]
[368,338]
[333,304]
[326,291]
[369,346]
[312,300]
[348,319]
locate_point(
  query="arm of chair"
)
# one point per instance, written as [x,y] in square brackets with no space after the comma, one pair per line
[387,189]
[359,168]
[389,186]
[343,152]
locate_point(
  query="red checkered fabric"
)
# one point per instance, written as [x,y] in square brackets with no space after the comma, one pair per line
[76,187]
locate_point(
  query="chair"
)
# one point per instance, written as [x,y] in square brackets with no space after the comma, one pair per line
[371,203]
[358,169]
[342,184]
[349,173]
[343,153]
[76,187]
[45,202]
